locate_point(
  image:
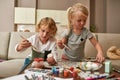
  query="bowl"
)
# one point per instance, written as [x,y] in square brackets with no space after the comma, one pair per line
[90,66]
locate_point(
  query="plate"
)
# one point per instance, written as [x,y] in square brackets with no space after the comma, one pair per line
[90,65]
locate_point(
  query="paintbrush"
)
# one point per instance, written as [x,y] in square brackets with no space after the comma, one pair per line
[65,44]
[66,47]
[31,45]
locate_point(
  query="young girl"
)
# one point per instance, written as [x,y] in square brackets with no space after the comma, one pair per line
[43,41]
[76,35]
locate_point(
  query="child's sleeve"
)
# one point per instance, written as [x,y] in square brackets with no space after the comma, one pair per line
[54,52]
[89,34]
[31,39]
[16,48]
[65,34]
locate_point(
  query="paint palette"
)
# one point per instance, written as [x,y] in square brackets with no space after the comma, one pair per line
[90,65]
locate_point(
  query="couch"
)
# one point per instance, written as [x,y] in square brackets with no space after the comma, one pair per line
[12,61]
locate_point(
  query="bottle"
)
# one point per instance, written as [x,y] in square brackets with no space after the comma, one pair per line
[61,70]
[108,67]
[66,73]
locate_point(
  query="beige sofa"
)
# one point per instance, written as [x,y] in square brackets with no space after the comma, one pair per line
[13,61]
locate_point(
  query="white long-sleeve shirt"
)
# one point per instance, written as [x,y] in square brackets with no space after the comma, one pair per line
[50,45]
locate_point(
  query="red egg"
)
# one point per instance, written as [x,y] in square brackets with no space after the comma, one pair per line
[37,64]
[71,68]
[75,74]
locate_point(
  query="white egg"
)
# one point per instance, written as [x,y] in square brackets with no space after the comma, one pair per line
[94,65]
[89,65]
[89,62]
[49,55]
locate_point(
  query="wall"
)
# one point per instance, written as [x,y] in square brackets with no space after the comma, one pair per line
[113,16]
[59,5]
[7,9]
[97,16]
[104,13]
[100,13]
[6,15]
[48,5]
[26,3]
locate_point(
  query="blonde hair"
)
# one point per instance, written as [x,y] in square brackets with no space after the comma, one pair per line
[77,7]
[49,22]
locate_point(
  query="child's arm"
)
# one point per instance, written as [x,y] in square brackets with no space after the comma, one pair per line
[23,44]
[52,57]
[100,57]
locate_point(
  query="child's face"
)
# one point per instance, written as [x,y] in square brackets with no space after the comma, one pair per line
[44,33]
[78,20]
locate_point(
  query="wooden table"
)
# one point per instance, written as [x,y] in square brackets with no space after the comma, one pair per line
[102,70]
[67,63]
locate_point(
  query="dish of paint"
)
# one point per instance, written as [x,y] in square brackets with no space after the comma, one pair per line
[90,65]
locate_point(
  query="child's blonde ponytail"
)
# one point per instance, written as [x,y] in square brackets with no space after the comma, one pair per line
[69,18]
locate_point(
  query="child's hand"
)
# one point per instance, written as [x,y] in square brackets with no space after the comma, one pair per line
[24,44]
[51,60]
[37,64]
[64,40]
[100,58]
[60,44]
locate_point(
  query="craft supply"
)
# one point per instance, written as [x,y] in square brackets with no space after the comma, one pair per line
[43,77]
[31,45]
[118,78]
[65,44]
[75,74]
[61,70]
[102,76]
[97,77]
[110,76]
[26,77]
[56,72]
[53,69]
[66,47]
[71,68]
[33,77]
[116,70]
[66,73]
[107,66]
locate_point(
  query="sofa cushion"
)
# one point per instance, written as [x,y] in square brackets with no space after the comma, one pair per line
[90,50]
[115,63]
[10,67]
[15,39]
[108,39]
[4,43]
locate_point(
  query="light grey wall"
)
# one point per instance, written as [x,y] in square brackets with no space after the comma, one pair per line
[7,9]
[62,5]
[100,17]
[26,3]
[97,16]
[105,14]
[113,16]
[6,15]
[59,4]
